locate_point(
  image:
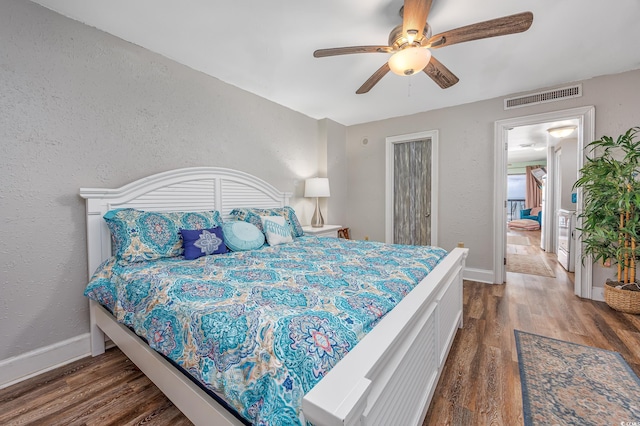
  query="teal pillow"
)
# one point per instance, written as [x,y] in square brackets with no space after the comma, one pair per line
[241,236]
[145,235]
[252,215]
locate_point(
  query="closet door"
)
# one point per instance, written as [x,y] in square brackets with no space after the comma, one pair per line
[412,192]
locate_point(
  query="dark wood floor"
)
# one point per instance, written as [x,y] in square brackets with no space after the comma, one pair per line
[480,384]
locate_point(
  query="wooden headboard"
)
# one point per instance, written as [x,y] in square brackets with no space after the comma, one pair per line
[188,189]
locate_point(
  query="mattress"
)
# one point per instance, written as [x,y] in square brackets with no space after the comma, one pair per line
[260,328]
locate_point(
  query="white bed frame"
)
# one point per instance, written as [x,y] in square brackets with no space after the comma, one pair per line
[388,378]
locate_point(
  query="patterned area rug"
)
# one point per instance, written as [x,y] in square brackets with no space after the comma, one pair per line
[528,264]
[565,383]
[518,240]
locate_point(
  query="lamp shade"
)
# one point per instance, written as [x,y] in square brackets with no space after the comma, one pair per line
[316,187]
[410,60]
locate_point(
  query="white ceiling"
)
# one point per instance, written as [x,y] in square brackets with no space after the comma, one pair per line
[266,47]
[529,143]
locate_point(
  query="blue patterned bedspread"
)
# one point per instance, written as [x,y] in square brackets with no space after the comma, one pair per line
[261,328]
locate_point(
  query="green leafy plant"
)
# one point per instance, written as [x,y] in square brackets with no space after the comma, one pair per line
[610,180]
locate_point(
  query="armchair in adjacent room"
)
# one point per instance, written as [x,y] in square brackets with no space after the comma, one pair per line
[533,214]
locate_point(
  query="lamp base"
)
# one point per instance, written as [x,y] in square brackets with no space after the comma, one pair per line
[317,221]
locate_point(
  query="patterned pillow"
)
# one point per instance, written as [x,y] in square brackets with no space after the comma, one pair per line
[202,242]
[101,287]
[276,230]
[241,236]
[140,235]
[252,215]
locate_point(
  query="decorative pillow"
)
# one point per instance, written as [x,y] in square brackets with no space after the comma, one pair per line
[202,242]
[241,236]
[101,287]
[140,235]
[276,230]
[252,215]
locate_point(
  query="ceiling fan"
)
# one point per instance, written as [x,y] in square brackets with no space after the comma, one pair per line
[411,41]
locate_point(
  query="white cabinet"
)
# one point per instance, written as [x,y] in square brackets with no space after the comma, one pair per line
[565,233]
[325,231]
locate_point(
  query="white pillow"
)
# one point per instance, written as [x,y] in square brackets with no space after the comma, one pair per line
[276,229]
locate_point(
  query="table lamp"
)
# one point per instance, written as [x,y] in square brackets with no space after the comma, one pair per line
[316,187]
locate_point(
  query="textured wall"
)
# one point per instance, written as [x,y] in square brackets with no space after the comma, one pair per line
[466,160]
[81,108]
[569,171]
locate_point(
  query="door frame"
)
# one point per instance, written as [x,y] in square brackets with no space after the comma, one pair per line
[389,173]
[557,184]
[548,218]
[586,132]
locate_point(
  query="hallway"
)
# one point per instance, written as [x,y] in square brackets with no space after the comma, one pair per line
[524,255]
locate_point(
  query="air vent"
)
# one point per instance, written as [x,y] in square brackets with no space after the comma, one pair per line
[544,97]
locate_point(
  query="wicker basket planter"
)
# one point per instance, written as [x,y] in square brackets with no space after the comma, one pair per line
[610,217]
[622,299]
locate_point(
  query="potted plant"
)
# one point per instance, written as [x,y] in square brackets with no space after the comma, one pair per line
[610,180]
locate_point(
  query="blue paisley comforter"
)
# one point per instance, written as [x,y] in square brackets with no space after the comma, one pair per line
[261,328]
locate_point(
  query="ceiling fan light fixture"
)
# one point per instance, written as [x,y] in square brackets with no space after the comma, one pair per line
[561,132]
[409,61]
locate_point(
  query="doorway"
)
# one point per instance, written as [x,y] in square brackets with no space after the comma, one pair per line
[585,131]
[411,201]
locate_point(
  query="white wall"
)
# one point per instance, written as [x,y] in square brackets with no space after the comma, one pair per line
[568,171]
[467,160]
[81,108]
[336,155]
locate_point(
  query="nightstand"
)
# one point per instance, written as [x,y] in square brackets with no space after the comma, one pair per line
[325,231]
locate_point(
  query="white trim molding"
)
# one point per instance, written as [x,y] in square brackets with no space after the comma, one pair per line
[586,133]
[390,142]
[478,275]
[16,369]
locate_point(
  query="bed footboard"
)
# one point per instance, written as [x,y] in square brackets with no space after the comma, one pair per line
[390,376]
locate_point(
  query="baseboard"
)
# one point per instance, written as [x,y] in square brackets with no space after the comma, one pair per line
[487,276]
[41,360]
[480,275]
[597,293]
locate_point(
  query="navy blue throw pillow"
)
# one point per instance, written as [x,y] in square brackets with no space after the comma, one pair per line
[202,242]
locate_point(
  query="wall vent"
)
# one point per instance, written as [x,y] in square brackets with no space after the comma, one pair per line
[544,97]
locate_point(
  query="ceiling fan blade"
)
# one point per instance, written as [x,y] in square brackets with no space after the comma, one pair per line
[321,53]
[375,78]
[414,17]
[495,27]
[440,74]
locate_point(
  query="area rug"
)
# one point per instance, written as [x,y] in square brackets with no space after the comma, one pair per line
[565,383]
[528,264]
[518,240]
